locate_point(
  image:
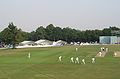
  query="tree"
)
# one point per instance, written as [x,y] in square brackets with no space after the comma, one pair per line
[0,37]
[114,28]
[6,36]
[21,36]
[57,34]
[50,32]
[40,32]
[11,35]
[115,31]
[97,34]
[32,36]
[106,32]
[14,33]
[69,35]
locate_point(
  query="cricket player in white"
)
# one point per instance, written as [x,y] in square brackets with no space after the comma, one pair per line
[72,59]
[93,60]
[29,55]
[60,58]
[83,61]
[77,60]
[76,49]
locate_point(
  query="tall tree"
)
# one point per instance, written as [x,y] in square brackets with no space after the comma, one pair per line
[69,34]
[106,32]
[14,31]
[6,36]
[41,33]
[11,35]
[57,34]
[50,32]
[32,36]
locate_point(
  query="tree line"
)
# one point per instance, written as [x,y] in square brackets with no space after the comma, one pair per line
[13,35]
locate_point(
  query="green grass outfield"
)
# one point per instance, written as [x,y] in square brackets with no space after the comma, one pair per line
[44,64]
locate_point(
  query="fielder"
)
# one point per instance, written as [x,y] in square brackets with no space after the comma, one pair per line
[60,58]
[77,60]
[76,49]
[93,60]
[72,59]
[83,61]
[29,55]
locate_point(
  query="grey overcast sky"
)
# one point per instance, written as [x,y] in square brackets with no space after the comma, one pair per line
[78,14]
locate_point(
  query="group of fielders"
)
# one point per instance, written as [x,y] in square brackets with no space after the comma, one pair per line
[76,60]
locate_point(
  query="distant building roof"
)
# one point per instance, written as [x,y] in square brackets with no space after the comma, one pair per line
[26,42]
[59,43]
[39,41]
[43,42]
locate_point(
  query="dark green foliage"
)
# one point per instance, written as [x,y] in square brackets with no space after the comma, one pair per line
[50,29]
[40,33]
[11,34]
[115,31]
[72,35]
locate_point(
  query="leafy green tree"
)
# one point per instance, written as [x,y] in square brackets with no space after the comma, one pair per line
[40,32]
[50,32]
[69,35]
[6,36]
[114,28]
[21,35]
[32,36]
[97,33]
[11,35]
[115,31]
[57,33]
[79,36]
[106,32]
[0,37]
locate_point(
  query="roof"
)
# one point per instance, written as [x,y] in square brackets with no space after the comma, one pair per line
[60,41]
[42,41]
[39,41]
[26,42]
